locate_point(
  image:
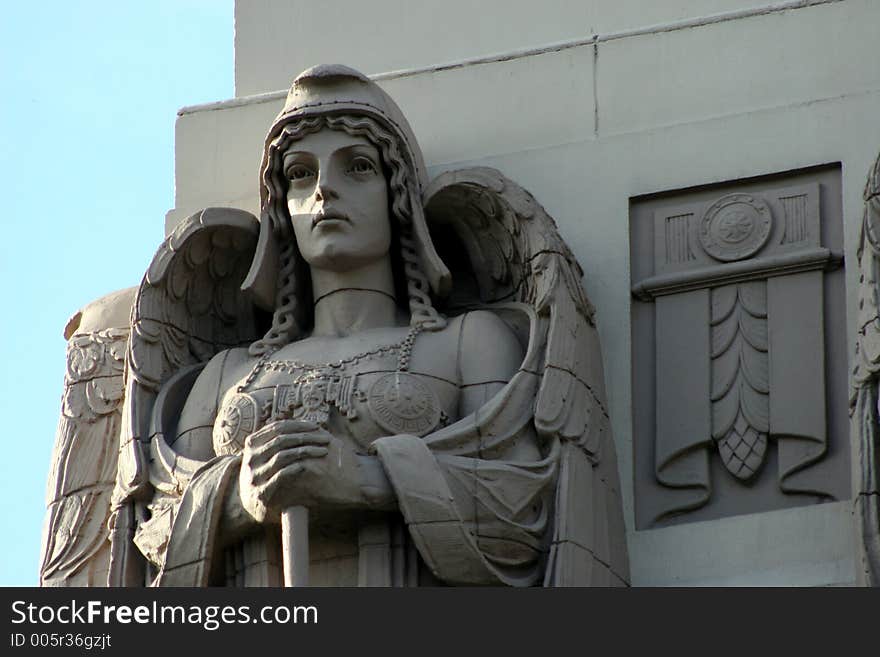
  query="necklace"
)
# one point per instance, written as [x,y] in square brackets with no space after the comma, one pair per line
[291,366]
[398,401]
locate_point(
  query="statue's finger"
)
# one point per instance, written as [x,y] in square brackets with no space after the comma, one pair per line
[307,438]
[270,489]
[284,458]
[295,426]
[261,436]
[263,452]
[279,427]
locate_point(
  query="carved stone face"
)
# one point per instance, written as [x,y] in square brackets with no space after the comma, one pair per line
[338,200]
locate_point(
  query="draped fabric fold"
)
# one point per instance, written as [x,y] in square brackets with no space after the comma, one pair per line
[474,521]
[797,398]
[474,516]
[739,362]
[684,425]
[866,425]
[193,542]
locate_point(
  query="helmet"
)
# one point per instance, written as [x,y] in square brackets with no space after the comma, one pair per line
[334,89]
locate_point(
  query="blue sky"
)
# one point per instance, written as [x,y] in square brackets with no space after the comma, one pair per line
[90,94]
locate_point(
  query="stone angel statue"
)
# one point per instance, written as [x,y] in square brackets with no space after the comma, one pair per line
[380,382]
[864,414]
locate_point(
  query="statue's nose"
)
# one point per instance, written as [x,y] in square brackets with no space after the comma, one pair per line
[325,193]
[325,189]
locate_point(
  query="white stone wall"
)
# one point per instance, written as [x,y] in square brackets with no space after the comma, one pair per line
[588,103]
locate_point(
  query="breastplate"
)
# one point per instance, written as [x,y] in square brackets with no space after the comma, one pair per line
[357,401]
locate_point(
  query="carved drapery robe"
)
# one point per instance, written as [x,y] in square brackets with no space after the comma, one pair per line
[472,516]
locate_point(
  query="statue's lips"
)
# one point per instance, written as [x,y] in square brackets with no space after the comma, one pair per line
[328,216]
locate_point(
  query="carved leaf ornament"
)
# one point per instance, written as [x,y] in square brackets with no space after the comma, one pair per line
[740,376]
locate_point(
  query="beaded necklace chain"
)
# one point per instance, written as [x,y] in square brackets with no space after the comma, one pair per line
[404,347]
[399,402]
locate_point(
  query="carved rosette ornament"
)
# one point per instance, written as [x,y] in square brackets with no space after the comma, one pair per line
[238,419]
[400,403]
[736,226]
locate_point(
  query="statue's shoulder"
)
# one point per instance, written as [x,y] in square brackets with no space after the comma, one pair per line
[470,324]
[223,370]
[478,328]
[217,376]
[197,399]
[480,342]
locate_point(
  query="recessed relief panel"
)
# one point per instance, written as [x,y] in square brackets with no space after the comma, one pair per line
[739,350]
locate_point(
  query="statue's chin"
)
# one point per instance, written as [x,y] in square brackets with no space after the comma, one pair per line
[336,253]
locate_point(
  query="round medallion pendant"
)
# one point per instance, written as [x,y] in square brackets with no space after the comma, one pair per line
[736,226]
[401,403]
[236,421]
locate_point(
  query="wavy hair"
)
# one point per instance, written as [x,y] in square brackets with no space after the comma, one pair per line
[289,321]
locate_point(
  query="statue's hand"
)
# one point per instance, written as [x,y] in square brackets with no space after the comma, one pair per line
[291,462]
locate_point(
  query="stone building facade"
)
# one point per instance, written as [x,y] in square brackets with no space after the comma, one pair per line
[705,160]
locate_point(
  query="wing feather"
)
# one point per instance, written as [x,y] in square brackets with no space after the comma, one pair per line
[83,469]
[516,253]
[189,307]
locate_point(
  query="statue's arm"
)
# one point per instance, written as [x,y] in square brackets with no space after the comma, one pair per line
[193,437]
[481,373]
[194,440]
[197,506]
[488,356]
[475,495]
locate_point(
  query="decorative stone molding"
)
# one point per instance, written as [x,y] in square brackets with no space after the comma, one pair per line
[732,295]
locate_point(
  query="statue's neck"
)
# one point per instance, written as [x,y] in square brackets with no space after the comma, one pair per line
[354,300]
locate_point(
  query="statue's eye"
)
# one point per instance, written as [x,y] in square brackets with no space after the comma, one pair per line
[300,173]
[362,166]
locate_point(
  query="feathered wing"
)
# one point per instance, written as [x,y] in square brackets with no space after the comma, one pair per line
[189,307]
[515,254]
[866,373]
[76,549]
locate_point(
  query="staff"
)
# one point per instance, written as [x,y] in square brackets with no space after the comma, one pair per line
[295,545]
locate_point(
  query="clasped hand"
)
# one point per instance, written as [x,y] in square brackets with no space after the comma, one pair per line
[294,462]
